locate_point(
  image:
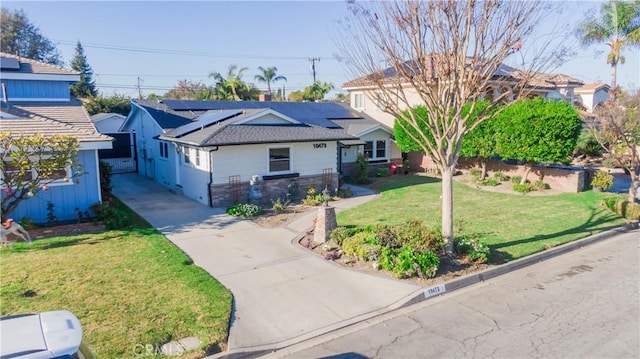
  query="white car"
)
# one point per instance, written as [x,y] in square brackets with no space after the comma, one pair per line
[45,335]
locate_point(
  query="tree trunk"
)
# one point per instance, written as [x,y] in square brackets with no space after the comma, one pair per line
[447,209]
[483,166]
[633,189]
[527,170]
[614,82]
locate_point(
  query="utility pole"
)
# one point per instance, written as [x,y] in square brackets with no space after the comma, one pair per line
[139,88]
[313,67]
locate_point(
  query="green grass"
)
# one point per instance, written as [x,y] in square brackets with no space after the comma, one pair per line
[128,288]
[513,225]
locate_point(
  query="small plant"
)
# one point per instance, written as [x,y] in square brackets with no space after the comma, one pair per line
[489,182]
[51,213]
[415,234]
[339,234]
[410,263]
[244,210]
[539,185]
[112,214]
[313,197]
[602,180]
[475,174]
[383,172]
[522,188]
[105,177]
[362,170]
[475,250]
[27,223]
[516,179]
[609,163]
[406,166]
[280,206]
[333,255]
[500,176]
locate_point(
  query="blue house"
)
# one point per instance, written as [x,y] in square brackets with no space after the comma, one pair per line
[36,100]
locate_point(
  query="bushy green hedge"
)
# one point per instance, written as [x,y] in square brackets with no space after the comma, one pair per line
[244,210]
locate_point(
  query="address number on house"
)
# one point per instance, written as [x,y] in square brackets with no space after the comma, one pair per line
[319,145]
[437,290]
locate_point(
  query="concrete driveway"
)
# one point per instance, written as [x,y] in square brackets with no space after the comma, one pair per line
[283,294]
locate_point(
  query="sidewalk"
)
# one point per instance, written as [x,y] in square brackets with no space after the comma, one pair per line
[283,294]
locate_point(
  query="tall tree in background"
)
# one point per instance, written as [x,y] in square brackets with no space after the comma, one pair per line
[19,36]
[228,86]
[619,27]
[86,87]
[268,76]
[447,53]
[100,104]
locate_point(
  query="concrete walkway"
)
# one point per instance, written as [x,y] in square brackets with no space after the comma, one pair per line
[283,294]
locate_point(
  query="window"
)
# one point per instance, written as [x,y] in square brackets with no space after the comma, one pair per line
[164,150]
[49,174]
[376,150]
[279,159]
[187,153]
[197,157]
[358,101]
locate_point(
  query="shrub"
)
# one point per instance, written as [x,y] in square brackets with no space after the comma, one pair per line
[500,176]
[516,179]
[333,255]
[313,197]
[350,245]
[383,172]
[415,234]
[409,263]
[628,210]
[475,174]
[489,182]
[279,206]
[368,252]
[386,235]
[475,250]
[539,185]
[105,177]
[362,170]
[602,179]
[588,144]
[112,213]
[610,163]
[27,223]
[244,210]
[522,188]
[610,201]
[339,234]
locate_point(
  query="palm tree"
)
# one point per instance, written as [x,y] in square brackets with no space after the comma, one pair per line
[268,76]
[618,27]
[228,88]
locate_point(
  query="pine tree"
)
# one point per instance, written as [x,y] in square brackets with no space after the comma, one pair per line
[86,87]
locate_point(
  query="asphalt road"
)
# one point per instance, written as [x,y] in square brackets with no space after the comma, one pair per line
[584,304]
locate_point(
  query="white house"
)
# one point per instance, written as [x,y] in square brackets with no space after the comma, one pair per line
[591,95]
[212,151]
[108,122]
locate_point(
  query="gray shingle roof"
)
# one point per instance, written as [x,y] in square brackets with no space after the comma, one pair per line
[51,118]
[28,66]
[167,120]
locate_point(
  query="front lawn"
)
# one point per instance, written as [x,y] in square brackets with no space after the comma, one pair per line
[130,289]
[513,225]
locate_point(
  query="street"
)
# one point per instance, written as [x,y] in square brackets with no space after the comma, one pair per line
[584,304]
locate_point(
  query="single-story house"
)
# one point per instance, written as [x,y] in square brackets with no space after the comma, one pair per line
[213,151]
[36,100]
[108,122]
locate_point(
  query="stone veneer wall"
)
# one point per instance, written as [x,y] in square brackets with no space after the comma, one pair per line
[222,194]
[557,178]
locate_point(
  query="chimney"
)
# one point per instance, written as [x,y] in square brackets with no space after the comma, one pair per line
[264,97]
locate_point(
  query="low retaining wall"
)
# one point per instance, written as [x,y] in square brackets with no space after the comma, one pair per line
[561,179]
[225,195]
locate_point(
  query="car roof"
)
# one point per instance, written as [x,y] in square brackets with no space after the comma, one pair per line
[41,335]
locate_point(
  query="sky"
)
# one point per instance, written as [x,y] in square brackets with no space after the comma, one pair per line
[162,42]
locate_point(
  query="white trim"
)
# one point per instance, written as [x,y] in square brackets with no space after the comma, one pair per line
[269,160]
[373,129]
[264,113]
[40,77]
[39,99]
[106,116]
[96,145]
[98,175]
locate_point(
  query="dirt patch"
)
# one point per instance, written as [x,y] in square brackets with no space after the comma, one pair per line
[66,230]
[448,270]
[270,219]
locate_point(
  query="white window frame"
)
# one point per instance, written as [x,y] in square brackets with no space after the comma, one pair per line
[187,155]
[288,170]
[197,157]
[358,97]
[374,150]
[62,181]
[164,150]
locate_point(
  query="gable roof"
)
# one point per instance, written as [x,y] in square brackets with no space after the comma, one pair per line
[51,118]
[103,116]
[28,66]
[165,119]
[593,87]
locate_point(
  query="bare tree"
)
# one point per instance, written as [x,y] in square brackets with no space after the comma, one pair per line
[444,55]
[618,131]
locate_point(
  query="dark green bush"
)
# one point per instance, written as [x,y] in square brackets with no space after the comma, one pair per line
[387,235]
[415,234]
[339,234]
[516,179]
[410,263]
[522,188]
[383,172]
[112,214]
[105,177]
[361,174]
[489,182]
[539,185]
[244,210]
[500,176]
[473,248]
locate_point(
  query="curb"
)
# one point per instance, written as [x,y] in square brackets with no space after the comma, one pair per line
[430,293]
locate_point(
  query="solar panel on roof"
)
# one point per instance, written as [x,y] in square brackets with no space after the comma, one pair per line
[204,121]
[310,113]
[9,63]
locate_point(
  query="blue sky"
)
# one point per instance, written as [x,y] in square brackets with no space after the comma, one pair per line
[121,39]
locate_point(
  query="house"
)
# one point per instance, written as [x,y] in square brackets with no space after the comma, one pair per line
[591,95]
[365,96]
[36,100]
[108,122]
[221,152]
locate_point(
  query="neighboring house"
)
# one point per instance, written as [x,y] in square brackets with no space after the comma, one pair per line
[366,97]
[212,151]
[108,122]
[36,99]
[591,95]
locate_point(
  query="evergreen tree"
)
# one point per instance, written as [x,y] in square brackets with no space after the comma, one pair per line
[86,87]
[18,35]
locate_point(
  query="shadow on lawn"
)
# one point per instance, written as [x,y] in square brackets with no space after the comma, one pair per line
[383,184]
[588,228]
